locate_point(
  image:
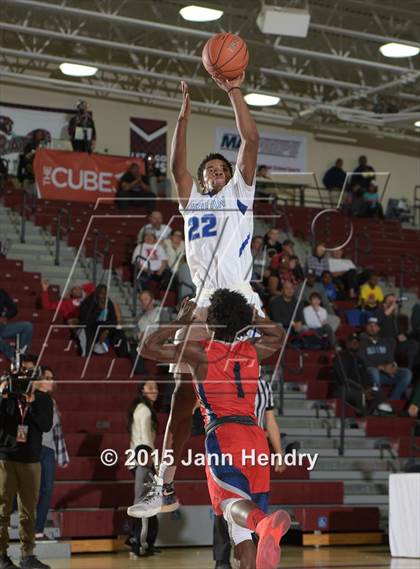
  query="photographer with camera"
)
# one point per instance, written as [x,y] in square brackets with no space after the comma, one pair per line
[25,414]
[82,129]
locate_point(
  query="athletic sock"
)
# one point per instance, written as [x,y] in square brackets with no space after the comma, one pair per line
[254,518]
[167,473]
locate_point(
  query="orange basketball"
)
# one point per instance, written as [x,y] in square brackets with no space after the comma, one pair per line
[225,54]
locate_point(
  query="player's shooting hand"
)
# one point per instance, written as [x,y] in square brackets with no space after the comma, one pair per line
[227,84]
[186,101]
[186,314]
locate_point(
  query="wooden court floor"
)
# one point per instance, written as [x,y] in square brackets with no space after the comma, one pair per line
[353,557]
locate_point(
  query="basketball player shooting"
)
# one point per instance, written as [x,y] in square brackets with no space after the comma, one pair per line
[225,376]
[219,226]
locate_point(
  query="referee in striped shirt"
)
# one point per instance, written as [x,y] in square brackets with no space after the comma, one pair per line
[264,411]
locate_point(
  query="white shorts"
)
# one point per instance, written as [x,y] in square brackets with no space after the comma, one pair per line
[200,331]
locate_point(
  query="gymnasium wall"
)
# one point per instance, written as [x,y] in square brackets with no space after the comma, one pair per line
[112,123]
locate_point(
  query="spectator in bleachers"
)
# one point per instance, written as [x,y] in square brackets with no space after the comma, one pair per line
[155,224]
[363,174]
[26,173]
[371,295]
[351,370]
[150,314]
[316,319]
[344,272]
[81,129]
[69,307]
[312,285]
[259,258]
[134,190]
[317,260]
[272,243]
[175,249]
[150,261]
[23,329]
[281,308]
[143,427]
[156,179]
[371,197]
[102,320]
[288,251]
[329,286]
[356,204]
[28,361]
[53,452]
[263,172]
[406,349]
[285,271]
[334,179]
[414,407]
[379,356]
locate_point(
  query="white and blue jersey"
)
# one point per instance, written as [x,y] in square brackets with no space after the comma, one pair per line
[218,233]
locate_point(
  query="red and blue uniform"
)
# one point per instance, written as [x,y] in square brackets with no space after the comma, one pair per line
[229,389]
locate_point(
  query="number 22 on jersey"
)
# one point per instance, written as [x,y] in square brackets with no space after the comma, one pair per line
[204,226]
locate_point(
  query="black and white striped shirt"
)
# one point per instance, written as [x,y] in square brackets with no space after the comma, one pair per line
[264,401]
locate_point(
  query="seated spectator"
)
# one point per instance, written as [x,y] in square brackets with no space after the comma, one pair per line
[155,178]
[285,272]
[175,249]
[150,261]
[102,320]
[155,224]
[371,197]
[22,328]
[272,243]
[405,348]
[363,174]
[281,308]
[317,260]
[150,314]
[315,318]
[371,295]
[379,356]
[262,172]
[69,307]
[134,190]
[329,286]
[312,285]
[344,272]
[350,370]
[334,180]
[288,250]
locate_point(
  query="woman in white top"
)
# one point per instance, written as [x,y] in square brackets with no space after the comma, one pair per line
[344,272]
[316,319]
[151,263]
[143,426]
[175,249]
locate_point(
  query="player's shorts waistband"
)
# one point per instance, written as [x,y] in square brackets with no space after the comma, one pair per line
[243,287]
[238,419]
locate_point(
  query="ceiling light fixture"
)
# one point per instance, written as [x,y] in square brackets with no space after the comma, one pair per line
[417,123]
[76,70]
[395,49]
[200,14]
[259,100]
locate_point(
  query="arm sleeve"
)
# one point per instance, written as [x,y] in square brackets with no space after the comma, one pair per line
[142,422]
[241,188]
[380,294]
[42,411]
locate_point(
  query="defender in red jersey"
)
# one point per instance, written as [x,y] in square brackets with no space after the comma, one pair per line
[225,372]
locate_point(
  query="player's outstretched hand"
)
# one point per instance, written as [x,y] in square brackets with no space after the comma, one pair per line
[186,101]
[227,84]
[186,314]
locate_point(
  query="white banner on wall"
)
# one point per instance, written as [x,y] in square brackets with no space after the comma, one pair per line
[18,123]
[280,151]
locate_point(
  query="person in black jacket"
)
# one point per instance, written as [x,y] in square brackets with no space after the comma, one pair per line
[23,419]
[102,319]
[8,329]
[81,129]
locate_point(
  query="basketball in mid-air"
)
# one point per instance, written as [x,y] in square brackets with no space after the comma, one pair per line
[226,55]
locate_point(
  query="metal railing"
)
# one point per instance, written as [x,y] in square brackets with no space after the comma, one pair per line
[294,371]
[28,205]
[60,229]
[99,253]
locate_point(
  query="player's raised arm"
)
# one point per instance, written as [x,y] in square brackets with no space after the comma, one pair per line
[271,339]
[182,178]
[248,151]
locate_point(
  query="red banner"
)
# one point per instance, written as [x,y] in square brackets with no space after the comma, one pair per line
[77,176]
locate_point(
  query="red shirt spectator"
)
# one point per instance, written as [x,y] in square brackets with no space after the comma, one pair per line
[69,307]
